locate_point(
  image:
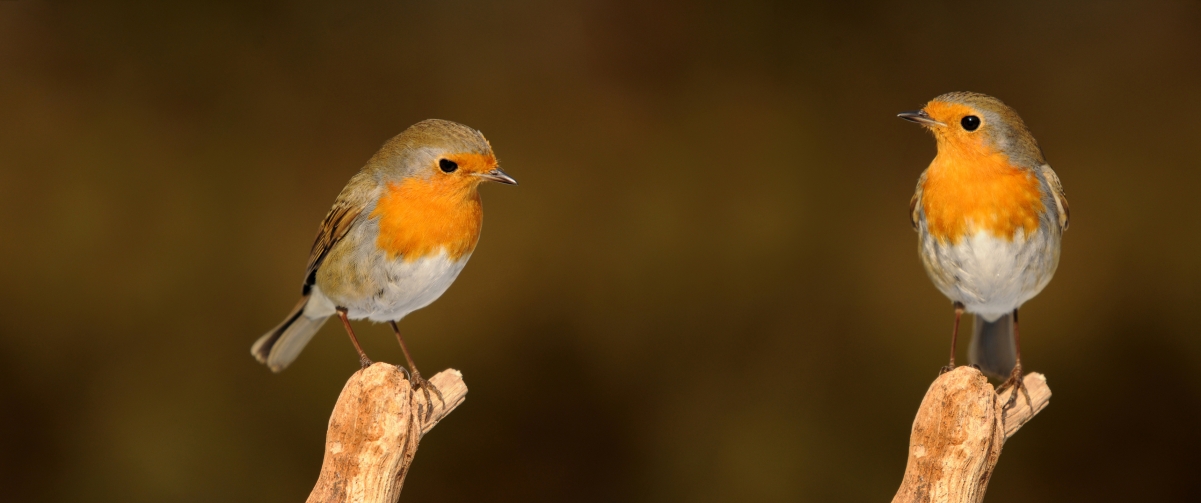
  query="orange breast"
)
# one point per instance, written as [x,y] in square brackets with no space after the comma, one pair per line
[981,192]
[418,218]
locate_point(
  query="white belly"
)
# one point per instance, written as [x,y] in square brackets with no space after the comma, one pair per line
[389,289]
[990,275]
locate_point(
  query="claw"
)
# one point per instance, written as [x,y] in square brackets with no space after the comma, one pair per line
[1015,380]
[945,369]
[415,376]
[425,386]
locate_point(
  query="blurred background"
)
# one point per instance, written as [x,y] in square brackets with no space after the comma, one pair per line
[705,289]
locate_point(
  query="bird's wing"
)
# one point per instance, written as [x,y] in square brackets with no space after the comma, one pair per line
[915,201]
[337,223]
[1061,200]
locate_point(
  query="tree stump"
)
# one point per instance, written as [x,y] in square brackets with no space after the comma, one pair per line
[958,433]
[374,430]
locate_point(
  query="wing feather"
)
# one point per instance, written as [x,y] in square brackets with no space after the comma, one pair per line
[337,223]
[915,201]
[1061,199]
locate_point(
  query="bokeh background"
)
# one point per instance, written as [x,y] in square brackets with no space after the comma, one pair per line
[705,289]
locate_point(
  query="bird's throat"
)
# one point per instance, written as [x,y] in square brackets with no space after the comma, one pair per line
[419,218]
[965,194]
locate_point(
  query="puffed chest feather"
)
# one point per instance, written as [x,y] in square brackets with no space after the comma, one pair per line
[372,283]
[990,275]
[391,288]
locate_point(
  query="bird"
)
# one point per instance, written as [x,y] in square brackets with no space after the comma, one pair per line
[990,214]
[398,235]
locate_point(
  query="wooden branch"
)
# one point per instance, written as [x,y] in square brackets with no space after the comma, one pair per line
[374,430]
[958,433]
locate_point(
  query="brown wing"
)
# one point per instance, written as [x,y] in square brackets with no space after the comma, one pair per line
[915,200]
[1061,200]
[337,223]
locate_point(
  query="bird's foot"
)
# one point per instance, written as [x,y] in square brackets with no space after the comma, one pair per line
[1015,381]
[420,383]
[948,368]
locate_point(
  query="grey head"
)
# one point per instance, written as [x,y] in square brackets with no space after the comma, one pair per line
[417,150]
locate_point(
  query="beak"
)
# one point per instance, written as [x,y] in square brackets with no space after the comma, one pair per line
[920,117]
[496,175]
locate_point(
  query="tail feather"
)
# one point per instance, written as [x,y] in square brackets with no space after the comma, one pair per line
[282,344]
[993,346]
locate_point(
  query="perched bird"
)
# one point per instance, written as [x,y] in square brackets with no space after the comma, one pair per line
[990,214]
[397,237]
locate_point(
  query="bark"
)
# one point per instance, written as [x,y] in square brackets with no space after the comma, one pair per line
[374,430]
[958,433]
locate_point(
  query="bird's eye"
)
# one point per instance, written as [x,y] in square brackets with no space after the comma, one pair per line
[970,122]
[447,165]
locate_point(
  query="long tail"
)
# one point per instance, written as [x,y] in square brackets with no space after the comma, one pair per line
[280,346]
[992,346]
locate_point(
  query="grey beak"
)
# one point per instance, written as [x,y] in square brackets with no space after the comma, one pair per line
[920,117]
[496,175]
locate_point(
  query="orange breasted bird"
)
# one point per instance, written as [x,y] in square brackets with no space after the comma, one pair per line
[990,215]
[397,237]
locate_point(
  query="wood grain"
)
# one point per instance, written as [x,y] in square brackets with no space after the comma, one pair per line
[958,434]
[374,431]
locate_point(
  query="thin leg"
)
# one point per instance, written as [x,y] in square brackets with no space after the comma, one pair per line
[418,381]
[954,337]
[1015,378]
[403,346]
[363,360]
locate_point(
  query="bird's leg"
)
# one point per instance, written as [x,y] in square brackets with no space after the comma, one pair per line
[363,360]
[1015,377]
[954,337]
[418,381]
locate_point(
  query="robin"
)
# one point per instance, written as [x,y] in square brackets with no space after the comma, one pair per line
[990,214]
[397,237]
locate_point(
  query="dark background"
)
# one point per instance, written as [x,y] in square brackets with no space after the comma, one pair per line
[704,289]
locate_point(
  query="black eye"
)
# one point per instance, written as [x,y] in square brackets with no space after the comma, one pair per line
[970,122]
[449,166]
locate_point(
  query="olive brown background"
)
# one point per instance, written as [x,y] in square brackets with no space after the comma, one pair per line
[704,289]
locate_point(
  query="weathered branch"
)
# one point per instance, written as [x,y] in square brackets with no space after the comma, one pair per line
[958,434]
[374,430]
